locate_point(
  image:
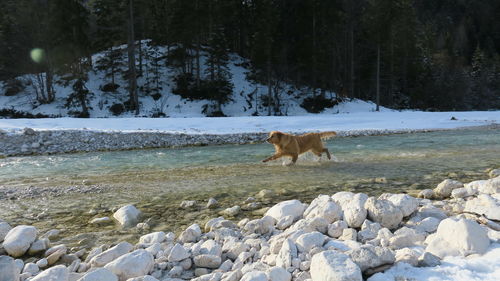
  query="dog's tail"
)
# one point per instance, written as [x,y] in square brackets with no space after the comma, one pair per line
[327,135]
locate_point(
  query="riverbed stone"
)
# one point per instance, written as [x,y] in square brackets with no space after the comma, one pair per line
[191,234]
[155,237]
[100,274]
[354,211]
[293,208]
[134,264]
[444,189]
[8,269]
[426,194]
[384,212]
[368,256]
[287,252]
[19,239]
[335,229]
[38,246]
[334,266]
[56,273]
[324,207]
[111,254]
[307,241]
[207,261]
[4,229]
[212,203]
[458,237]
[178,253]
[405,202]
[127,216]
[485,205]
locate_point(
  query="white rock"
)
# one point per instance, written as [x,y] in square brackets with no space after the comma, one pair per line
[134,264]
[42,263]
[232,212]
[56,273]
[429,224]
[187,204]
[19,239]
[405,202]
[233,248]
[4,229]
[178,253]
[491,186]
[354,210]
[384,212]
[287,252]
[426,194]
[207,261]
[324,207]
[8,269]
[408,256]
[428,259]
[100,274]
[307,241]
[368,256]
[127,216]
[38,246]
[463,192]
[212,203]
[335,229]
[484,205]
[254,276]
[406,237]
[155,237]
[278,274]
[100,221]
[191,234]
[111,254]
[334,266]
[444,189]
[349,234]
[31,268]
[210,247]
[284,222]
[456,237]
[292,208]
[342,197]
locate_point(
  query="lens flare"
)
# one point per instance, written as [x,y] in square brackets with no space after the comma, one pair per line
[37,55]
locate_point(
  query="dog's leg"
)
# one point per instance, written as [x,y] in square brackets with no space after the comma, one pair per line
[327,153]
[274,157]
[294,158]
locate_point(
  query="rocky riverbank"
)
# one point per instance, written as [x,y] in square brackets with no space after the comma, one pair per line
[344,236]
[35,142]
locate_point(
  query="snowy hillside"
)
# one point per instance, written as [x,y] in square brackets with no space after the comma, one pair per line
[245,101]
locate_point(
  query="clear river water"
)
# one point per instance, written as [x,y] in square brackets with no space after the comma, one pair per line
[156,181]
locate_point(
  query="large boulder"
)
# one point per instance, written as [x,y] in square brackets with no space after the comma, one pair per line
[18,240]
[334,266]
[56,273]
[155,237]
[491,186]
[458,237]
[384,212]
[445,188]
[127,216]
[8,269]
[293,208]
[484,205]
[111,254]
[137,263]
[324,207]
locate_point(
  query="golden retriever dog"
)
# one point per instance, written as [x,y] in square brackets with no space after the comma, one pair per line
[292,146]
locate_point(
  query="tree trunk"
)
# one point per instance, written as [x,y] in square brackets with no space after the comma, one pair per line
[378,78]
[198,71]
[313,64]
[351,65]
[269,89]
[132,79]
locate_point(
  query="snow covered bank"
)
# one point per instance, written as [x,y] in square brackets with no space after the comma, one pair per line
[360,121]
[62,135]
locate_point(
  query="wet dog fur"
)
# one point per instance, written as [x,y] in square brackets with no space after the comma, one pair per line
[292,146]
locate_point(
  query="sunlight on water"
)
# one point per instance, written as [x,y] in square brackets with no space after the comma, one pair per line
[157,180]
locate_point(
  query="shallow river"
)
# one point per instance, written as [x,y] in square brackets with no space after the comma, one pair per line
[157,180]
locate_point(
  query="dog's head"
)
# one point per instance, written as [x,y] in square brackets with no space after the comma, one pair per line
[275,137]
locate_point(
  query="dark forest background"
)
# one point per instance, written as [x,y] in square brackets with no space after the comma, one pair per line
[422,54]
